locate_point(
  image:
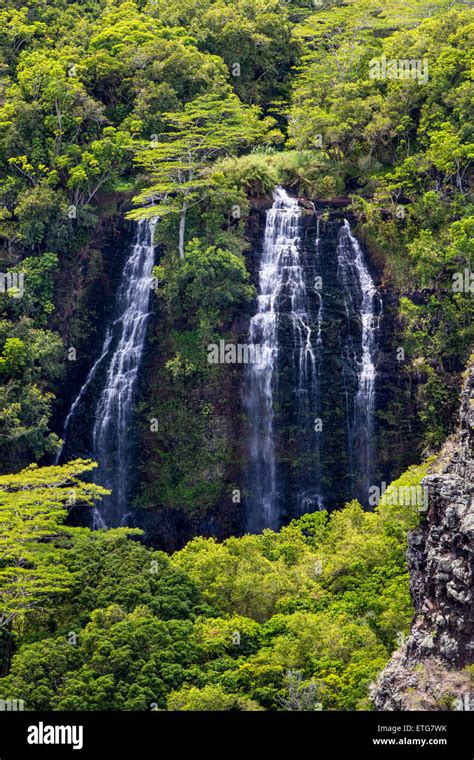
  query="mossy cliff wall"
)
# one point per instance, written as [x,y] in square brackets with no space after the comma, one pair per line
[192,431]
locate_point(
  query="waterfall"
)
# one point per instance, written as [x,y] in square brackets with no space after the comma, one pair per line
[311,498]
[315,330]
[89,379]
[123,348]
[111,433]
[362,299]
[282,310]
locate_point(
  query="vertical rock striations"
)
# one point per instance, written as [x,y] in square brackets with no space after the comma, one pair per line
[428,671]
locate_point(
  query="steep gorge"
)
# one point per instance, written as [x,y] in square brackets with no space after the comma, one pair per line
[312,206]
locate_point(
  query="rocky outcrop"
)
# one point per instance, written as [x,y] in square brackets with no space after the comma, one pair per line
[429,671]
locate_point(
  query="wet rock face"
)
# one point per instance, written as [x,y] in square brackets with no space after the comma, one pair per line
[428,669]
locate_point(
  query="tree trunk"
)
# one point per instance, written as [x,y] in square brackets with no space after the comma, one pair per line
[182,224]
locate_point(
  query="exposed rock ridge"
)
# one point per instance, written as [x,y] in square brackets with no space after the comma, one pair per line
[429,671]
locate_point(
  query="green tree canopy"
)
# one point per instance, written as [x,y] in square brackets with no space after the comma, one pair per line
[33,506]
[209,127]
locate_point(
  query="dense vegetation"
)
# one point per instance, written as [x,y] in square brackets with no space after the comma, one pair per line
[93,97]
[301,619]
[202,107]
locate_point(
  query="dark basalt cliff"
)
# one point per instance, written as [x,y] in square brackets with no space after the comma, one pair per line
[429,671]
[190,470]
[190,473]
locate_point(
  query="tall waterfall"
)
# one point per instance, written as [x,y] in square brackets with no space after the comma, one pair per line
[361,297]
[310,401]
[282,311]
[111,433]
[121,353]
[308,379]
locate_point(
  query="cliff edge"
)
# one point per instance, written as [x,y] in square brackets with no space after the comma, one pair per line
[430,670]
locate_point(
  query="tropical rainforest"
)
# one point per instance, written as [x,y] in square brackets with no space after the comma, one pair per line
[182,117]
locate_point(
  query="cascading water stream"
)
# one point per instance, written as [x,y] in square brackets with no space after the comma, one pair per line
[89,379]
[313,298]
[111,433]
[123,347]
[361,297]
[282,306]
[309,499]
